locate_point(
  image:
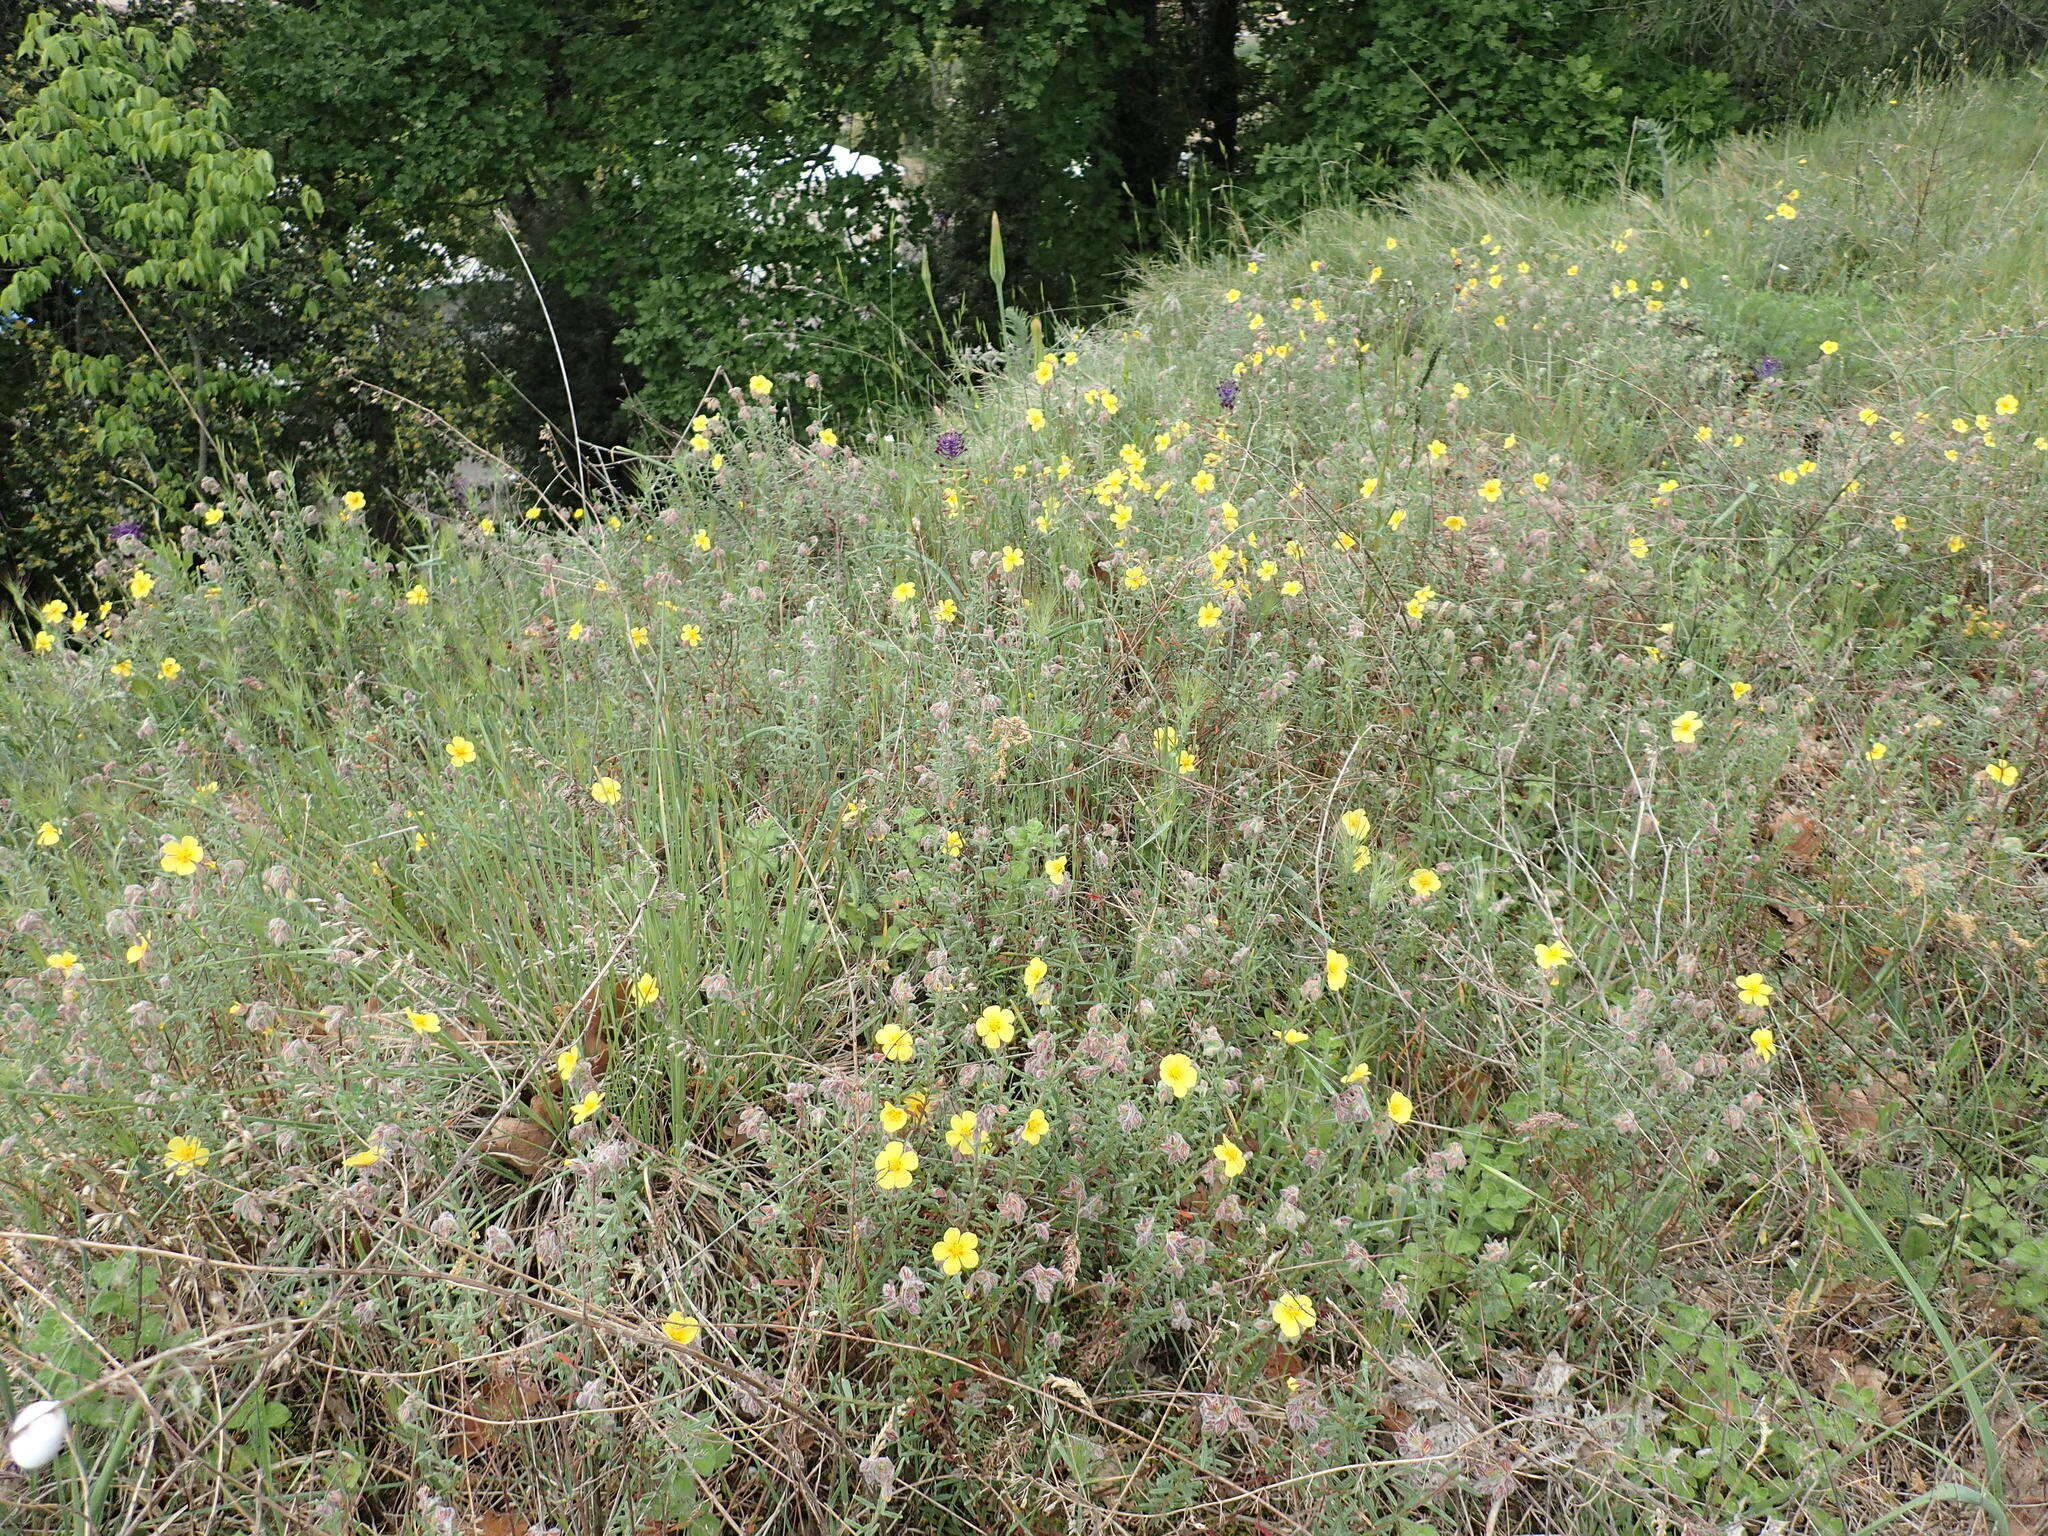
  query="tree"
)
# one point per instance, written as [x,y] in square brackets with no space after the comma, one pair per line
[126,210]
[168,323]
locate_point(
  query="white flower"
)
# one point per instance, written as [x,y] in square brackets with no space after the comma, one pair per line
[37,1435]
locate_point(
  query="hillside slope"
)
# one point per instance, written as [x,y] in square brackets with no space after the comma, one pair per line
[1402,893]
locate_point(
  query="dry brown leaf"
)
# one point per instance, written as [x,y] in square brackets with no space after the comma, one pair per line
[520,1142]
[1797,835]
[509,1397]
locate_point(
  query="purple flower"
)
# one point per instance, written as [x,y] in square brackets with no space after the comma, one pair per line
[127,528]
[952,443]
[1767,367]
[1227,393]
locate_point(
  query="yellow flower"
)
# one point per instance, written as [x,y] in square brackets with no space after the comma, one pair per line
[1034,1129]
[904,591]
[1179,1073]
[646,991]
[1358,1073]
[1425,882]
[894,1117]
[43,642]
[1035,418]
[997,1027]
[123,668]
[185,1155]
[1208,616]
[1877,751]
[567,1061]
[416,597]
[702,538]
[371,1155]
[605,791]
[181,855]
[1738,689]
[947,611]
[963,1133]
[760,387]
[894,1165]
[1685,730]
[1550,957]
[956,1251]
[679,1329]
[353,500]
[168,669]
[60,960]
[586,1106]
[1639,548]
[424,1023]
[1012,557]
[637,636]
[141,584]
[1230,1155]
[1356,824]
[1336,969]
[1400,1108]
[1489,490]
[1754,990]
[1830,348]
[896,1042]
[1056,870]
[1293,1315]
[1764,1043]
[461,751]
[2002,772]
[47,835]
[1134,578]
[137,952]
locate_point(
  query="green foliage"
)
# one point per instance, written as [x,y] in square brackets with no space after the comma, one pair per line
[168,330]
[1361,97]
[127,213]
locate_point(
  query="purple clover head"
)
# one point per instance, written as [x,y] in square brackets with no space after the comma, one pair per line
[952,443]
[1226,392]
[1767,367]
[126,528]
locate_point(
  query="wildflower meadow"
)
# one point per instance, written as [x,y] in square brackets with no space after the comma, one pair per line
[1398,890]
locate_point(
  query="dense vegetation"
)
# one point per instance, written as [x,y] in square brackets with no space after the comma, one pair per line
[1399,891]
[452,240]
